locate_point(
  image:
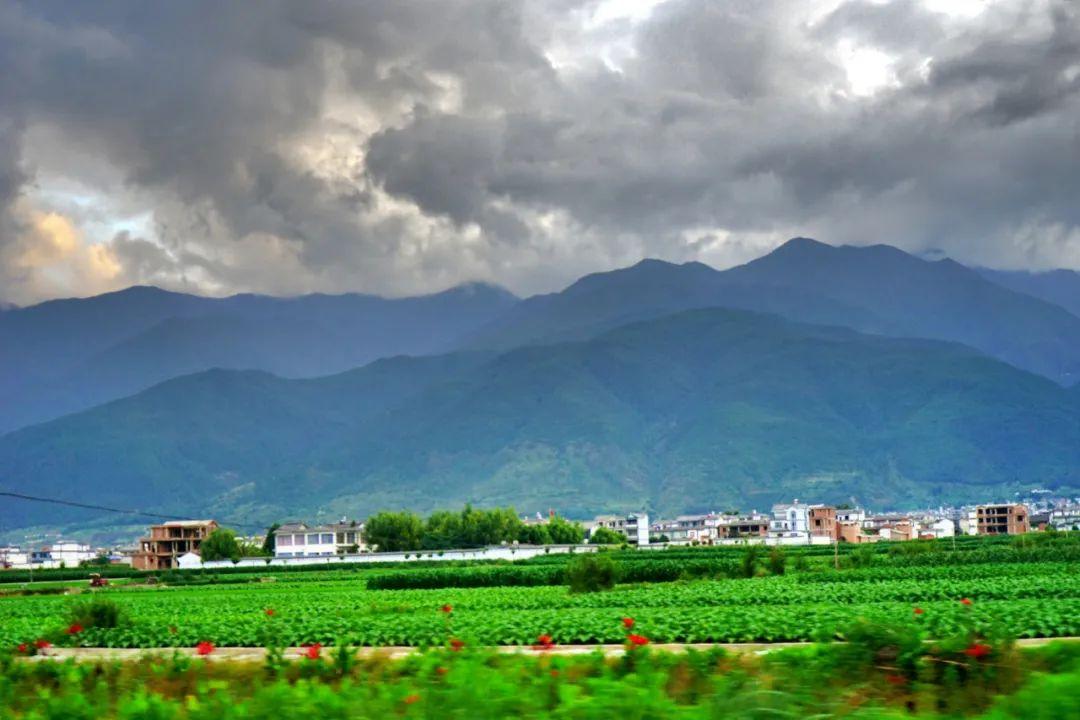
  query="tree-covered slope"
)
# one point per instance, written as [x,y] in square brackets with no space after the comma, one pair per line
[703,409]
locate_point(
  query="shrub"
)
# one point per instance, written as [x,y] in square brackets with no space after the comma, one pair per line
[606,536]
[591,573]
[777,561]
[98,612]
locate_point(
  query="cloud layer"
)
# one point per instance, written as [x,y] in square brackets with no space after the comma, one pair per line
[400,147]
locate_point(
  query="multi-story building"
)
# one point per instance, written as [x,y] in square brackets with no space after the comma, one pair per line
[690,528]
[800,520]
[1003,519]
[790,519]
[821,520]
[168,541]
[299,539]
[634,526]
[744,526]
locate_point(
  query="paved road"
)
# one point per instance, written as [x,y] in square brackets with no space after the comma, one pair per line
[258,654]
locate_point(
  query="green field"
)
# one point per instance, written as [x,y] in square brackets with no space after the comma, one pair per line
[928,631]
[1023,590]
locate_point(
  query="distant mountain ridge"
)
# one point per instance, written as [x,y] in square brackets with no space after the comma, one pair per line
[877,289]
[67,355]
[701,409]
[1061,287]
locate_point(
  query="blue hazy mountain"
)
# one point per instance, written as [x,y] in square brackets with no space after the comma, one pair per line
[875,289]
[67,355]
[1061,287]
[701,409]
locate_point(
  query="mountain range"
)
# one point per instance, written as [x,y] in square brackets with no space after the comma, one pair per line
[814,371]
[68,355]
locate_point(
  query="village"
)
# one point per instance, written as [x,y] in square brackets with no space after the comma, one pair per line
[176,544]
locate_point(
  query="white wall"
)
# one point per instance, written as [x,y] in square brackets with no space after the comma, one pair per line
[495,552]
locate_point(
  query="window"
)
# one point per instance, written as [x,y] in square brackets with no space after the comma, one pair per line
[341,538]
[313,539]
[284,540]
[328,538]
[350,538]
[298,539]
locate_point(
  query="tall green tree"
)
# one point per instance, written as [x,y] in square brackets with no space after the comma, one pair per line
[394,531]
[270,542]
[564,532]
[220,545]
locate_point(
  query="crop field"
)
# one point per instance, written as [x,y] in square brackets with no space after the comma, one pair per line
[878,674]
[1025,592]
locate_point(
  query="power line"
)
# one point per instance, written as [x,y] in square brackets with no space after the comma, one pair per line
[122,511]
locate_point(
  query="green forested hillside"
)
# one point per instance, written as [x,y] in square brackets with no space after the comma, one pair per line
[703,409]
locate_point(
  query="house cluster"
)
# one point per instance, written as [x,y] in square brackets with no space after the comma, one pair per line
[58,554]
[814,523]
[176,544]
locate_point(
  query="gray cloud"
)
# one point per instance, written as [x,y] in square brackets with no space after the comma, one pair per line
[404,146]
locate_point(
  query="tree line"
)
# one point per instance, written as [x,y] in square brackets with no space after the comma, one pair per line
[471,527]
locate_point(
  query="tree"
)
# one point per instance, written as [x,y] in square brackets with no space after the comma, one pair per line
[220,545]
[606,536]
[394,531]
[534,535]
[270,543]
[564,532]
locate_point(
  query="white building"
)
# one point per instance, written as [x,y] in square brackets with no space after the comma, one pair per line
[302,540]
[189,561]
[790,520]
[857,515]
[634,526]
[13,557]
[66,553]
[940,528]
[1065,517]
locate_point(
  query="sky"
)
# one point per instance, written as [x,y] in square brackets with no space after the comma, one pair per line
[403,147]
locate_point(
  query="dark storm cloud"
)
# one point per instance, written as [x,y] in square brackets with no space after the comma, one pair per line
[404,146]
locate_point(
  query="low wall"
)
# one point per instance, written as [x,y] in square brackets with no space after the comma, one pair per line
[495,552]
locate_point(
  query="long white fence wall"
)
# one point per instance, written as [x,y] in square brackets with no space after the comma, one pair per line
[494,552]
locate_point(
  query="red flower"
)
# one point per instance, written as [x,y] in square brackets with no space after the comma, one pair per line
[74,629]
[172,630]
[965,601]
[41,644]
[23,648]
[441,670]
[410,699]
[554,673]
[895,679]
[269,612]
[311,652]
[978,650]
[544,642]
[448,608]
[637,640]
[204,648]
[919,611]
[456,644]
[628,623]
